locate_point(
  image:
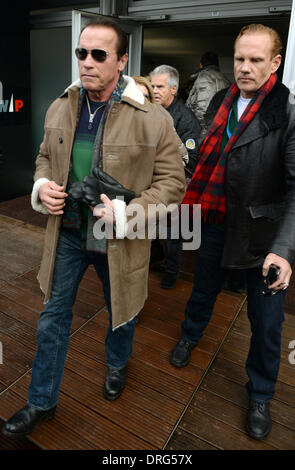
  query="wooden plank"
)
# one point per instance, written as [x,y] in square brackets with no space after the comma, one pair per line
[145,336]
[74,426]
[236,373]
[22,297]
[35,301]
[223,387]
[21,443]
[182,292]
[285,393]
[216,328]
[90,298]
[243,326]
[155,394]
[160,342]
[184,289]
[229,369]
[290,319]
[160,359]
[25,315]
[17,359]
[88,285]
[281,413]
[124,414]
[281,437]
[183,440]
[174,308]
[7,274]
[55,434]
[22,245]
[241,341]
[25,285]
[16,310]
[286,371]
[135,393]
[144,357]
[20,332]
[171,386]
[173,331]
[7,223]
[217,433]
[173,303]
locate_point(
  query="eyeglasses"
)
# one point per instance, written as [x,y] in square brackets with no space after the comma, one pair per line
[99,55]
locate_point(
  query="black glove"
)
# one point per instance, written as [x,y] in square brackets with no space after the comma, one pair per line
[90,189]
[75,191]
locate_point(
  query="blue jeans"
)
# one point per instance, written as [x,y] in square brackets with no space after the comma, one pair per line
[54,325]
[266,314]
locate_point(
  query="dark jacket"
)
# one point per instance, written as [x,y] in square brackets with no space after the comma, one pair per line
[260,183]
[189,130]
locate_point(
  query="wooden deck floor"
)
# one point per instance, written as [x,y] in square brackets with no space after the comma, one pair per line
[202,406]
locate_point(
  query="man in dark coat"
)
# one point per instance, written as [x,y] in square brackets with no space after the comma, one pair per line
[245,183]
[165,83]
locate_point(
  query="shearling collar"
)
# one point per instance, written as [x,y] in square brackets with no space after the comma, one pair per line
[131,93]
[274,108]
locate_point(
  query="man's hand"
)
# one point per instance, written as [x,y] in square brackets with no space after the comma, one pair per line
[285,271]
[107,212]
[53,197]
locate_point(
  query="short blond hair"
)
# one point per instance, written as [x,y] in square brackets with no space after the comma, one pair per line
[277,44]
[145,82]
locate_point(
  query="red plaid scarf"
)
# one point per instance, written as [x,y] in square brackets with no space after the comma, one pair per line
[207,186]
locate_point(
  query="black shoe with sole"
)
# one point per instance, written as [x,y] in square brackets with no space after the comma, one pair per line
[24,421]
[181,353]
[114,383]
[258,420]
[169,280]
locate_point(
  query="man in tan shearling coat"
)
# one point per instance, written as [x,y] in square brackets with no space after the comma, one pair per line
[101,120]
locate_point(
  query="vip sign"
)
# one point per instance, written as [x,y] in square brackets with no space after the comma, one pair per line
[11,105]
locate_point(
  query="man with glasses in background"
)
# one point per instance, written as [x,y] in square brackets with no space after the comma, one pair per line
[102,121]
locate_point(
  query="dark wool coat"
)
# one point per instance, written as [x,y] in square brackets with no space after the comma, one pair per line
[260,183]
[188,128]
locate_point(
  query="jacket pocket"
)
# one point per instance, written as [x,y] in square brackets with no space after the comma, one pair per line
[271,211]
[264,223]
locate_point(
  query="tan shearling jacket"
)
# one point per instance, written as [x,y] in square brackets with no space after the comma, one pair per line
[140,150]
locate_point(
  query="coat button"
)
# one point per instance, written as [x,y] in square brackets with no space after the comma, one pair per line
[60,140]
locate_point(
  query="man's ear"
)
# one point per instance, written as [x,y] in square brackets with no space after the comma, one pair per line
[276,62]
[173,90]
[123,61]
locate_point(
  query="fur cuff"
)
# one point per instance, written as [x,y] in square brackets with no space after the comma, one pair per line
[35,201]
[120,217]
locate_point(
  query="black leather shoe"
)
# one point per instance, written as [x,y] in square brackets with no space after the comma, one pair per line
[169,280]
[24,421]
[258,420]
[114,383]
[181,353]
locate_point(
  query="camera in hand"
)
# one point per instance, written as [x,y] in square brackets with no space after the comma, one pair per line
[271,277]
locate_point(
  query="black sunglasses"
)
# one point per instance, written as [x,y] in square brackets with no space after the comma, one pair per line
[99,55]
